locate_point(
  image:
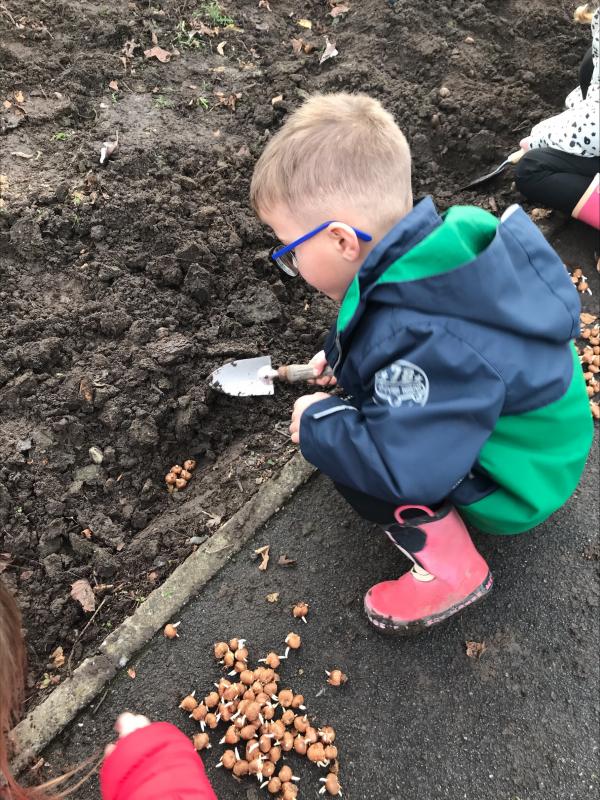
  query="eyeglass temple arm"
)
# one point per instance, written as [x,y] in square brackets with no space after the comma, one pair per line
[286,249]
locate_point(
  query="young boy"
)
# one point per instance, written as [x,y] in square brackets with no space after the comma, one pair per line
[465,399]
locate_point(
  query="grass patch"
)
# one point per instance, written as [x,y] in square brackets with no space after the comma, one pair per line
[62,136]
[160,101]
[214,13]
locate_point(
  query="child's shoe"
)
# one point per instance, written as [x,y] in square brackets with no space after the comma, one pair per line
[588,208]
[448,573]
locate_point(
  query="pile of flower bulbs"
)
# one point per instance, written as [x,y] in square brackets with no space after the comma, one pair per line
[178,477]
[264,722]
[589,355]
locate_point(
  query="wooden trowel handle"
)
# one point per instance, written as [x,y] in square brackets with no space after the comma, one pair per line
[515,157]
[292,373]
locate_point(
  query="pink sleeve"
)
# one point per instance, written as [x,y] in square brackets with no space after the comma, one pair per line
[157,762]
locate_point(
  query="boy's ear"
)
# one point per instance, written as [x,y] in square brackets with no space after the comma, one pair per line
[345,240]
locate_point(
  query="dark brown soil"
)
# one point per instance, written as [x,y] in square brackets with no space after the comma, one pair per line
[123,285]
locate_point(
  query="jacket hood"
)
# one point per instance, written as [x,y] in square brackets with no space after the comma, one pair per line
[467,264]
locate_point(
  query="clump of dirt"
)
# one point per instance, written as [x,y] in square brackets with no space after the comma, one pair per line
[123,285]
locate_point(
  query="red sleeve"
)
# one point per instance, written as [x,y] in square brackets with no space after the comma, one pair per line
[157,762]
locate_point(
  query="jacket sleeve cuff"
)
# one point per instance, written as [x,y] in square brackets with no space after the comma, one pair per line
[137,757]
[315,416]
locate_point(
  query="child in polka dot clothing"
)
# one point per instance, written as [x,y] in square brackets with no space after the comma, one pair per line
[561,166]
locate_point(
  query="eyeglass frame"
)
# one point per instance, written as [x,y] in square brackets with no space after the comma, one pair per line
[277,254]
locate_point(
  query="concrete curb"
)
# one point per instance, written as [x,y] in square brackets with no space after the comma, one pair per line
[39,727]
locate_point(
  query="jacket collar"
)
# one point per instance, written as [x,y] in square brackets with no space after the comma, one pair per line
[411,229]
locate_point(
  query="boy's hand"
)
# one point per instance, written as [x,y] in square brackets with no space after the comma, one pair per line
[300,406]
[319,362]
[126,723]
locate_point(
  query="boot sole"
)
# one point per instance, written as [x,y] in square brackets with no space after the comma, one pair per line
[394,627]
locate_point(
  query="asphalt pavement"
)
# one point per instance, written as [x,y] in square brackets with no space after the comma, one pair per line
[418,719]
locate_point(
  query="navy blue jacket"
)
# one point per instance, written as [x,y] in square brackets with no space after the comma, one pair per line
[451,326]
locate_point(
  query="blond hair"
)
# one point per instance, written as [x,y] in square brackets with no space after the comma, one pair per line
[583,14]
[336,150]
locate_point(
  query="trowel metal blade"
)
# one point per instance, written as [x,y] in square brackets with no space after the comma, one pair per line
[240,378]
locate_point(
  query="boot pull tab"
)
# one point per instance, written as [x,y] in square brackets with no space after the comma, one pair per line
[398,513]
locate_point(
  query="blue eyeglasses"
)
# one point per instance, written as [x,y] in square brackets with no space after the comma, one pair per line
[285,257]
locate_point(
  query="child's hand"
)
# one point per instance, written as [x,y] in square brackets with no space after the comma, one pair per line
[300,406]
[126,723]
[525,143]
[319,362]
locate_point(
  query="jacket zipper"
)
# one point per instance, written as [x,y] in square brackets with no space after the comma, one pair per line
[339,349]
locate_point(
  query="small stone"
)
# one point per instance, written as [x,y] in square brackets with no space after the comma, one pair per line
[90,474]
[469,40]
[96,455]
[444,92]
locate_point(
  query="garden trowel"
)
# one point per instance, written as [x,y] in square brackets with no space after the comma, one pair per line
[512,159]
[246,377]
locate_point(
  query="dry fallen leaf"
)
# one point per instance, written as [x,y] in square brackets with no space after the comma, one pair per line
[114,86]
[540,213]
[221,48]
[264,4]
[87,532]
[341,9]
[158,52]
[83,593]
[227,100]
[329,52]
[58,657]
[19,97]
[201,28]
[131,673]
[273,597]
[263,552]
[277,99]
[475,649]
[86,390]
[129,47]
[284,561]
[305,23]
[297,45]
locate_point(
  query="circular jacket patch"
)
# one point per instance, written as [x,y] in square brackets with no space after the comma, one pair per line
[401,384]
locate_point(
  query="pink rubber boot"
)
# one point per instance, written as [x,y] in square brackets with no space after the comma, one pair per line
[588,208]
[448,573]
